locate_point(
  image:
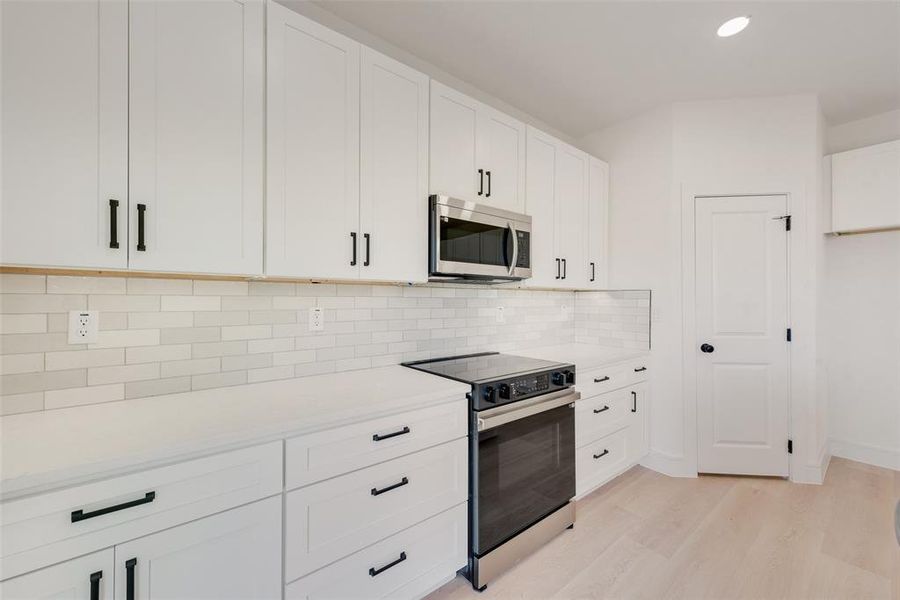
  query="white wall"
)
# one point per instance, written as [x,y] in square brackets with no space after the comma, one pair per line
[757,145]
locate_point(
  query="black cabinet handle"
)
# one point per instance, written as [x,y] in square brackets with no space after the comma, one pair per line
[129,578]
[378,437]
[353,243]
[602,454]
[488,195]
[80,515]
[633,401]
[597,411]
[640,369]
[368,239]
[113,223]
[141,208]
[481,182]
[401,483]
[373,571]
[601,379]
[564,268]
[95,585]
[557,268]
[593,273]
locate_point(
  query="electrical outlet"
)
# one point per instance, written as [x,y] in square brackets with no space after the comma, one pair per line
[501,317]
[84,326]
[316,319]
[564,311]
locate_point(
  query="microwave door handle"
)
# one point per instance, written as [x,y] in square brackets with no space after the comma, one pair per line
[515,253]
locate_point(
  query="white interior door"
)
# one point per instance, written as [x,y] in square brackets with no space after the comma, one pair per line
[501,153]
[196,135]
[312,194]
[454,123]
[64,98]
[741,345]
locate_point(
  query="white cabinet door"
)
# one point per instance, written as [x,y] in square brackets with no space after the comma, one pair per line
[866,188]
[541,205]
[234,554]
[501,153]
[393,170]
[195,127]
[64,98]
[88,577]
[453,145]
[638,427]
[597,223]
[312,193]
[571,195]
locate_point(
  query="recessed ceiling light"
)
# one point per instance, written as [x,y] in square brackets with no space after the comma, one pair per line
[733,26]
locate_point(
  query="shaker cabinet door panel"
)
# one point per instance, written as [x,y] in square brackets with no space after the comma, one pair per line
[501,153]
[64,98]
[540,204]
[597,228]
[88,577]
[196,118]
[571,195]
[312,194]
[453,145]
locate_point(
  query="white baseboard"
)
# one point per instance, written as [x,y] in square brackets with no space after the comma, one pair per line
[667,464]
[871,455]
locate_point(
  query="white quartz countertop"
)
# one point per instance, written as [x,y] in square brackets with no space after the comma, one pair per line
[584,356]
[57,448]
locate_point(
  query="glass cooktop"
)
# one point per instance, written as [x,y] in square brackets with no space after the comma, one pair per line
[478,368]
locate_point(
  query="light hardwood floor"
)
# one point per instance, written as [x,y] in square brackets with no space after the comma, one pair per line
[645,535]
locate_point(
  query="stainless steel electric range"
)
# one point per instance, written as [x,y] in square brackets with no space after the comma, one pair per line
[521,454]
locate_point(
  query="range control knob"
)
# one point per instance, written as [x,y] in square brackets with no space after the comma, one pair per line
[558,378]
[488,394]
[505,391]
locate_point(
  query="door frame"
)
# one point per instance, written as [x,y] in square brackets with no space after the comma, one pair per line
[801,376]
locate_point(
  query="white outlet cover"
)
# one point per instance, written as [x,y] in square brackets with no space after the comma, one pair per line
[84,326]
[316,319]
[501,317]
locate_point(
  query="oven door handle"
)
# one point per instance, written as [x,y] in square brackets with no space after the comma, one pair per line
[502,415]
[515,252]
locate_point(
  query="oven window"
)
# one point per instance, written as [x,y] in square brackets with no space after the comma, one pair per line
[526,470]
[469,242]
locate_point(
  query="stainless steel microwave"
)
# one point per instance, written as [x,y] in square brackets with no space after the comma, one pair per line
[477,242]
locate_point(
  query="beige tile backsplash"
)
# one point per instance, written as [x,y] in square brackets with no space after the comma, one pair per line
[161,336]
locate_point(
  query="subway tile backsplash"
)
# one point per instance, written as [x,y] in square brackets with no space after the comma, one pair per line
[161,336]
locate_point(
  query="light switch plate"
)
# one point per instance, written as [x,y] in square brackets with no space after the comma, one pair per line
[316,319]
[84,326]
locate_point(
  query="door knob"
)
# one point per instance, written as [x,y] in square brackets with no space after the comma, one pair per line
[707,348]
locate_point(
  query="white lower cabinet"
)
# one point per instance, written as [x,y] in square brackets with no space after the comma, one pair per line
[234,554]
[408,564]
[87,577]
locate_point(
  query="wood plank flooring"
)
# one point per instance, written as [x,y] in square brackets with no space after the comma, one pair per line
[648,536]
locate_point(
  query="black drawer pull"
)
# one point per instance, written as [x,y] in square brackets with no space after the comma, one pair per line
[129,578]
[601,379]
[95,585]
[386,436]
[141,208]
[113,224]
[401,483]
[634,401]
[80,515]
[640,369]
[602,454]
[597,411]
[373,571]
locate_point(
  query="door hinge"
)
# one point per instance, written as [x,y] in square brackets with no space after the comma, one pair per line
[787,221]
[789,335]
[790,446]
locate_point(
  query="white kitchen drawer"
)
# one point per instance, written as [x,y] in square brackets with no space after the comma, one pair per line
[325,454]
[597,462]
[600,415]
[612,377]
[331,519]
[432,552]
[37,531]
[73,580]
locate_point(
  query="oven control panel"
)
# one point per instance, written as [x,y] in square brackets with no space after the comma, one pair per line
[489,395]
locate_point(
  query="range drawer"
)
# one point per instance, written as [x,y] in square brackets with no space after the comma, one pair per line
[408,564]
[325,454]
[612,377]
[600,415]
[331,519]
[601,460]
[55,526]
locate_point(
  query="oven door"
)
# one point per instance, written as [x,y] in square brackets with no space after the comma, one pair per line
[523,466]
[471,240]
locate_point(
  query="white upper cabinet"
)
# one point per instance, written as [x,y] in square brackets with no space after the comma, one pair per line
[571,227]
[597,223]
[541,205]
[477,153]
[64,143]
[865,188]
[393,170]
[312,194]
[196,133]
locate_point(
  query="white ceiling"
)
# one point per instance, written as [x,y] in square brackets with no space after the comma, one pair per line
[580,66]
